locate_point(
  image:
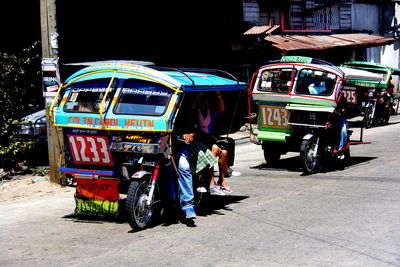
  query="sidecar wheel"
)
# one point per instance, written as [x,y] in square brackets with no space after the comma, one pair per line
[138,212]
[272,153]
[307,149]
[386,118]
[342,158]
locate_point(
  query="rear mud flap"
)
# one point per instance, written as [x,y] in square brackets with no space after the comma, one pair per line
[97,197]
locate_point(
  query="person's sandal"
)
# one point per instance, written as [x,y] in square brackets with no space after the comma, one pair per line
[216,190]
[226,189]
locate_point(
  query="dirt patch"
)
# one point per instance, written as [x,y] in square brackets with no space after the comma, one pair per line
[29,186]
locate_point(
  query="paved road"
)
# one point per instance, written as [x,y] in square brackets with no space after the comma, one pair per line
[275,217]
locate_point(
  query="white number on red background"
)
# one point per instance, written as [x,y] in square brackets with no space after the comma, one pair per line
[351,96]
[90,149]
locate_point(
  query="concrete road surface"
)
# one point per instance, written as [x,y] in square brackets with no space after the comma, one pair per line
[275,217]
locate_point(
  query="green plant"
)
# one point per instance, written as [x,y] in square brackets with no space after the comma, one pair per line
[20,94]
[41,171]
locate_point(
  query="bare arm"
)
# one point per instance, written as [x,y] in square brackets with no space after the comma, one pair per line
[221,104]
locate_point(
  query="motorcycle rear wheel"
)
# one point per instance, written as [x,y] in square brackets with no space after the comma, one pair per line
[138,212]
[307,151]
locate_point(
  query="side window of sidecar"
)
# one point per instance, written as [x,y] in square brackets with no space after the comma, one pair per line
[87,96]
[276,80]
[315,82]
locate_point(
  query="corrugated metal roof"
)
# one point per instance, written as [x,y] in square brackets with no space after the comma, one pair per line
[273,28]
[261,29]
[320,42]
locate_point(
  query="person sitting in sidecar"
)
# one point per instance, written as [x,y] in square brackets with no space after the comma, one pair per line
[317,87]
[202,115]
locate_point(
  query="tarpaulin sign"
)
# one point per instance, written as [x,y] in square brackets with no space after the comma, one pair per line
[51,76]
[97,196]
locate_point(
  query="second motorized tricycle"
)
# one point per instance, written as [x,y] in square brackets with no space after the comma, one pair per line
[301,108]
[375,93]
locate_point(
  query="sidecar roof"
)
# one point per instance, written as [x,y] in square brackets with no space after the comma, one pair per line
[291,95]
[357,74]
[304,61]
[370,66]
[180,79]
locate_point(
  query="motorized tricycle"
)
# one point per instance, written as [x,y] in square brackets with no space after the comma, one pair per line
[116,125]
[374,92]
[301,108]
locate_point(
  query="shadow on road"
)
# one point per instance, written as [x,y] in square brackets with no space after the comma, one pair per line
[217,204]
[293,164]
[95,219]
[210,205]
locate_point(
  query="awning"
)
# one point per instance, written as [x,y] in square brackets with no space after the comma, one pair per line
[255,30]
[321,42]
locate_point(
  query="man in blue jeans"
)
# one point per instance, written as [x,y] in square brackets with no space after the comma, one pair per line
[185,179]
[189,159]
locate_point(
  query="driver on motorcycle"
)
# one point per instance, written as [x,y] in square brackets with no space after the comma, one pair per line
[342,123]
[192,157]
[185,178]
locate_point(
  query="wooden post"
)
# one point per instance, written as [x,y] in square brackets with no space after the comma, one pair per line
[49,26]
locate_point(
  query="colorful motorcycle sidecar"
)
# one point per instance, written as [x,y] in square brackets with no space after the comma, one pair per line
[117,122]
[299,109]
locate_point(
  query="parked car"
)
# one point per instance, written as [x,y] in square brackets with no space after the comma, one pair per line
[33,127]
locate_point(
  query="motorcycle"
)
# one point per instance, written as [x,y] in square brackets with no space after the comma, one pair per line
[378,108]
[321,145]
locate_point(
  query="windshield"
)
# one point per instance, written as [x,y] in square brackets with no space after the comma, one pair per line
[276,80]
[87,96]
[143,98]
[315,82]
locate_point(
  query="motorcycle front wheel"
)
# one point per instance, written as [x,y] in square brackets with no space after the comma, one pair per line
[308,155]
[139,212]
[368,117]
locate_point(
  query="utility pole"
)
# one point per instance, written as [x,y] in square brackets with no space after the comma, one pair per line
[50,52]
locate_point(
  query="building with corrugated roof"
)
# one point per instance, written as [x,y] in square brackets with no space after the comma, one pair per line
[336,31]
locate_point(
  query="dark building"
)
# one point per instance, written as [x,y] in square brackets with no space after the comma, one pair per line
[209,33]
[173,33]
[20,25]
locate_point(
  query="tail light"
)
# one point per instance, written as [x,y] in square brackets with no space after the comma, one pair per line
[370,93]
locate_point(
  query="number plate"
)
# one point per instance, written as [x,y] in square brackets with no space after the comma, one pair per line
[351,96]
[274,117]
[134,147]
[90,149]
